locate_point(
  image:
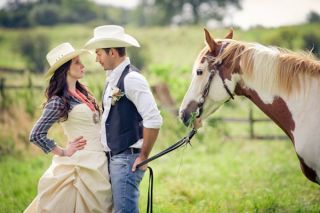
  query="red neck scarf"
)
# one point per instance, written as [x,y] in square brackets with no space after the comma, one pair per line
[81,97]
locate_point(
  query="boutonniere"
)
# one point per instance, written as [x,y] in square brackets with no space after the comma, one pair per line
[116,94]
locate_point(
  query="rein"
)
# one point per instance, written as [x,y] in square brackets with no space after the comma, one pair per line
[184,141]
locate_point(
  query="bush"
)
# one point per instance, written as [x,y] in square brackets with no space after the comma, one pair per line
[34,47]
[45,14]
[284,37]
[139,56]
[313,17]
[312,42]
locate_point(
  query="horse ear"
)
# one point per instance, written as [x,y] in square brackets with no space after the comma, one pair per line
[209,40]
[230,34]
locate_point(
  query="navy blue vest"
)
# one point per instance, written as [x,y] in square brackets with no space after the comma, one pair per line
[124,123]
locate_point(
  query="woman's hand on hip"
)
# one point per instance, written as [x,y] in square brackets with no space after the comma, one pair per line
[75,145]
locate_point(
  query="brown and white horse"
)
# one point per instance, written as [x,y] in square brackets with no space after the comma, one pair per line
[285,85]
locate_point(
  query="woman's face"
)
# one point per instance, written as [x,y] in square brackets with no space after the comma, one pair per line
[76,70]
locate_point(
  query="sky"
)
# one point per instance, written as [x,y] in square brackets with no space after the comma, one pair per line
[268,13]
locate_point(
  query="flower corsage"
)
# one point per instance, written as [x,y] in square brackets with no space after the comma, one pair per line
[116,94]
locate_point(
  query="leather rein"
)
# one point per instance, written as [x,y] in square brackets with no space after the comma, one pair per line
[186,140]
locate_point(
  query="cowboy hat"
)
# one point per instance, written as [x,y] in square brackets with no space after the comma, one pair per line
[109,36]
[60,55]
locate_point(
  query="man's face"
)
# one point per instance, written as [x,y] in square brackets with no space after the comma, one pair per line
[106,59]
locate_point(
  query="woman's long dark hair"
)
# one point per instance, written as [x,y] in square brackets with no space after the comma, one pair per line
[58,87]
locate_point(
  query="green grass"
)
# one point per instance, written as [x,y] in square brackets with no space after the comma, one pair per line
[216,174]
[232,177]
[165,46]
[18,181]
[210,176]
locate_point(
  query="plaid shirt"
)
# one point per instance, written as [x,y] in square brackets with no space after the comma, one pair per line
[50,115]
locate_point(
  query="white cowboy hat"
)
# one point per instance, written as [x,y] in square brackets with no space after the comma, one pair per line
[60,55]
[109,36]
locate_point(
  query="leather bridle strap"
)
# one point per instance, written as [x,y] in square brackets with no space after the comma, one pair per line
[206,89]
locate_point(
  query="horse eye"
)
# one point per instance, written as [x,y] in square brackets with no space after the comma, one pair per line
[199,71]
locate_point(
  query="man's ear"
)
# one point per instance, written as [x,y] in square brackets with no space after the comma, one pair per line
[111,51]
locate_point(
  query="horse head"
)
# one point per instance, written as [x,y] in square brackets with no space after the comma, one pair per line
[213,80]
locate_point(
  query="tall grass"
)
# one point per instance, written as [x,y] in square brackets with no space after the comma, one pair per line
[216,174]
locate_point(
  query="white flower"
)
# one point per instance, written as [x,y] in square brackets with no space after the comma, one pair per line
[116,94]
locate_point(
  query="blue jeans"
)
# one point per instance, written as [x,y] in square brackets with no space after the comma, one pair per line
[125,183]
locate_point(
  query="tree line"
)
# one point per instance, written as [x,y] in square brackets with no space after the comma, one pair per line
[21,13]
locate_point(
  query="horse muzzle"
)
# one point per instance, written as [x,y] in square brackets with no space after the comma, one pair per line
[186,114]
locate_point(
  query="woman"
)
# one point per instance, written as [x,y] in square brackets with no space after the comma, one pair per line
[78,179]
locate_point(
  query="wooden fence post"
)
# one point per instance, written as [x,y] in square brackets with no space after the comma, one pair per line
[251,123]
[2,92]
[29,82]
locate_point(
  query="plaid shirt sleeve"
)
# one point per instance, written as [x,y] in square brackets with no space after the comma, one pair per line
[50,115]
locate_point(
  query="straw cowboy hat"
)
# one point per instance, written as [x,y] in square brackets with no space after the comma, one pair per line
[60,55]
[108,36]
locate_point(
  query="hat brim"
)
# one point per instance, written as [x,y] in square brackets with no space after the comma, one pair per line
[63,60]
[126,41]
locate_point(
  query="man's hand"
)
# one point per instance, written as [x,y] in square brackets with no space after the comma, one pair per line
[137,161]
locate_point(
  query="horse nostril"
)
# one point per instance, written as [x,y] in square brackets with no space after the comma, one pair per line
[185,117]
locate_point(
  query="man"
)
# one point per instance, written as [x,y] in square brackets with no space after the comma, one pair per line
[130,119]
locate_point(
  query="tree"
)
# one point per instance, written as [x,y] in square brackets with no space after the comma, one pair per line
[312,43]
[22,13]
[201,10]
[313,17]
[33,47]
[44,14]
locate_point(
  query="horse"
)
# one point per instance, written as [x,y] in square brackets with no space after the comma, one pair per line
[284,84]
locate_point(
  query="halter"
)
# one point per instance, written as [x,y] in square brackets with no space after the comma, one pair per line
[206,89]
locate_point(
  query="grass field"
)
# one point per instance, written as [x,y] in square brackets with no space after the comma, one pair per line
[210,176]
[221,172]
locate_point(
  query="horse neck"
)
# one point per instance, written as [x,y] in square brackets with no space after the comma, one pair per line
[277,110]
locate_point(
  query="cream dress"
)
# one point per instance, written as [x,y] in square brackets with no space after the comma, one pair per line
[79,183]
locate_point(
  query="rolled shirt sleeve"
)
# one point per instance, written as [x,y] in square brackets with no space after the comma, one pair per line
[50,115]
[138,91]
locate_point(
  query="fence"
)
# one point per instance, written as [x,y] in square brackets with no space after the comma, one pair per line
[252,121]
[4,87]
[165,106]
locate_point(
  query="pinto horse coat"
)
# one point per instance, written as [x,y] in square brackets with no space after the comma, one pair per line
[285,85]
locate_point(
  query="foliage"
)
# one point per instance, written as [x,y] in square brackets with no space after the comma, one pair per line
[312,43]
[139,56]
[19,13]
[44,14]
[192,11]
[34,47]
[313,17]
[283,38]
[15,14]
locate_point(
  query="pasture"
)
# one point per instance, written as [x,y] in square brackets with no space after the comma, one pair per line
[223,171]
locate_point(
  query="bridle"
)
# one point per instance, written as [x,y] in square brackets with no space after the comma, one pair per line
[214,70]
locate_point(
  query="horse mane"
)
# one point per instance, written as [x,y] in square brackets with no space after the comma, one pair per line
[273,68]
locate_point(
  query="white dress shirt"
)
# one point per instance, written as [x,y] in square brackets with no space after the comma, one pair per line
[138,91]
